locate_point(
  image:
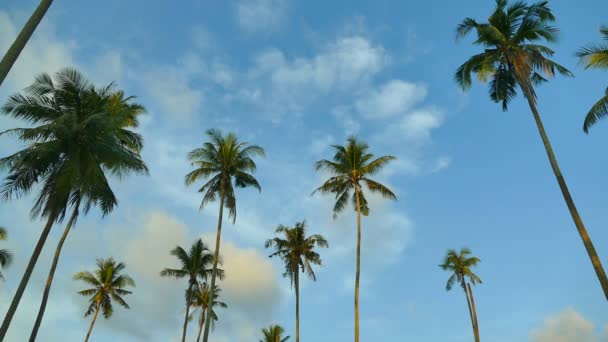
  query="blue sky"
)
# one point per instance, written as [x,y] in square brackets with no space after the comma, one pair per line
[296,77]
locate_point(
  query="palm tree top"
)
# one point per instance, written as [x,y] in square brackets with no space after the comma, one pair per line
[274,333]
[197,263]
[595,55]
[461,264]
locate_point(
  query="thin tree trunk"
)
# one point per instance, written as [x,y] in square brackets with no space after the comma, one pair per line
[476,325]
[49,280]
[200,324]
[214,271]
[188,302]
[578,222]
[86,339]
[298,305]
[15,50]
[358,264]
[26,277]
[466,293]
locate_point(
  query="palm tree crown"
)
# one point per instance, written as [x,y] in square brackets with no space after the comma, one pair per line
[200,301]
[274,333]
[195,264]
[6,257]
[596,56]
[460,264]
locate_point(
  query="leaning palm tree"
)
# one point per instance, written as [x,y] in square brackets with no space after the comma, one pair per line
[6,257]
[274,333]
[108,286]
[297,252]
[15,50]
[226,163]
[596,56]
[200,302]
[460,264]
[75,142]
[351,167]
[513,57]
[195,265]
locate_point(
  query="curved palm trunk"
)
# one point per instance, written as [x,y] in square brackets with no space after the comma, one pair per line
[188,301]
[476,323]
[298,305]
[15,50]
[578,222]
[49,280]
[214,271]
[358,265]
[26,277]
[200,325]
[86,339]
[466,293]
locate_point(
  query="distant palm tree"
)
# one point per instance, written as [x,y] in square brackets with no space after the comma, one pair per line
[6,257]
[351,166]
[512,58]
[596,56]
[195,265]
[78,138]
[460,265]
[108,286]
[274,333]
[15,50]
[200,302]
[297,252]
[224,161]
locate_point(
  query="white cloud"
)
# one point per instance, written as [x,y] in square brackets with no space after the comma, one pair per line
[416,126]
[393,98]
[261,15]
[567,326]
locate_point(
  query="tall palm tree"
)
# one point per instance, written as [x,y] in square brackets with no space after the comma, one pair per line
[513,57]
[274,333]
[226,163]
[109,283]
[75,142]
[195,265]
[461,264]
[6,257]
[200,302]
[351,167]
[596,56]
[297,252]
[15,50]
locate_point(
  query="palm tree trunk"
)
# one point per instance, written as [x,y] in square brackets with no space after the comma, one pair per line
[49,280]
[358,265]
[188,301]
[466,293]
[86,339]
[200,325]
[26,277]
[578,222]
[476,324]
[215,260]
[298,306]
[15,50]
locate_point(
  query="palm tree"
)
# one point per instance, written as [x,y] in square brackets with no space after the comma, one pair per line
[274,333]
[15,50]
[514,58]
[200,302]
[195,265]
[227,163]
[596,56]
[6,257]
[297,252]
[352,165]
[460,265]
[108,286]
[77,139]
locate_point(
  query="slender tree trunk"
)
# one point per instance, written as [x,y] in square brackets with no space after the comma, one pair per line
[466,293]
[49,280]
[15,50]
[26,277]
[298,305]
[358,264]
[86,339]
[188,302]
[476,324]
[200,324]
[578,222]
[217,257]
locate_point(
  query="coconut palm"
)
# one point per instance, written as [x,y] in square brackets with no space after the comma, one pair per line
[350,169]
[75,142]
[274,333]
[200,302]
[109,283]
[297,252]
[461,264]
[596,56]
[225,163]
[195,265]
[15,50]
[6,257]
[512,58]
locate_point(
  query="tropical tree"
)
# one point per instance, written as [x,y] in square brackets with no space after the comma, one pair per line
[297,252]
[195,265]
[226,163]
[274,333]
[461,264]
[596,56]
[109,283]
[76,141]
[6,257]
[350,169]
[15,50]
[200,302]
[513,57]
